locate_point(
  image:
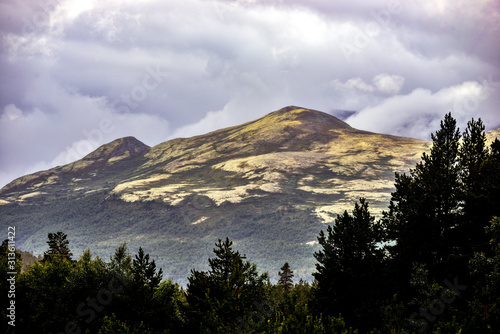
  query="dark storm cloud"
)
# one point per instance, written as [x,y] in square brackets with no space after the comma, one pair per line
[75,75]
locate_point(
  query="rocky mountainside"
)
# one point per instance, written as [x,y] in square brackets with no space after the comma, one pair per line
[318,150]
[101,158]
[270,185]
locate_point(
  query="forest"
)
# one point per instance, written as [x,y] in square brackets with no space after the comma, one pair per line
[430,264]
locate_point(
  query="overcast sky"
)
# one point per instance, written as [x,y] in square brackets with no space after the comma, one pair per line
[77,74]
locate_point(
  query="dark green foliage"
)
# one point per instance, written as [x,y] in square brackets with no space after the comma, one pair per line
[58,247]
[475,177]
[142,287]
[286,277]
[112,325]
[144,272]
[436,222]
[92,296]
[230,296]
[431,264]
[349,267]
[424,209]
[169,300]
[485,271]
[121,262]
[44,296]
[490,170]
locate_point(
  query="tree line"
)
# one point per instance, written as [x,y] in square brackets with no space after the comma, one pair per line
[431,264]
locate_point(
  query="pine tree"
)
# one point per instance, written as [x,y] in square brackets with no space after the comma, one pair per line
[286,277]
[490,169]
[425,208]
[121,261]
[476,213]
[145,281]
[473,152]
[485,271]
[144,272]
[349,267]
[58,246]
[230,297]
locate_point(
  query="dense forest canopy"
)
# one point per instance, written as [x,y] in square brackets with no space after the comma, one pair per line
[430,264]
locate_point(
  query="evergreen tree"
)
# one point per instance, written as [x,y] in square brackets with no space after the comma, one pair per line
[476,213]
[58,246]
[485,270]
[490,170]
[121,262]
[44,297]
[141,289]
[144,272]
[230,297]
[349,266]
[167,305]
[286,277]
[473,152]
[425,208]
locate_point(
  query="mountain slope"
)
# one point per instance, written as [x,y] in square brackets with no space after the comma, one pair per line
[55,180]
[270,185]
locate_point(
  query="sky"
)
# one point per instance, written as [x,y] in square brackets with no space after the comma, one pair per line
[77,74]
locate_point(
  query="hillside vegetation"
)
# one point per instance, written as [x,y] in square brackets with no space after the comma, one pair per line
[430,263]
[270,185]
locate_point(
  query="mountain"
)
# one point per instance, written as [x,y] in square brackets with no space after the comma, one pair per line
[492,135]
[270,185]
[102,158]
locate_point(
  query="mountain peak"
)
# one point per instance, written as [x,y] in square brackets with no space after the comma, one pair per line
[108,154]
[304,115]
[103,156]
[288,172]
[119,148]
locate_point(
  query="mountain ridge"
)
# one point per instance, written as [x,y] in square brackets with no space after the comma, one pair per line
[295,122]
[287,117]
[256,144]
[270,185]
[105,154]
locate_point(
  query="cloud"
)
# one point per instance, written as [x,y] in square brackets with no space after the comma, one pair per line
[355,84]
[382,83]
[388,84]
[418,113]
[11,112]
[66,127]
[67,65]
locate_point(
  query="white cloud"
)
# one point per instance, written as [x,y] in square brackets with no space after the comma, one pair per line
[11,112]
[353,84]
[388,84]
[382,83]
[66,67]
[418,113]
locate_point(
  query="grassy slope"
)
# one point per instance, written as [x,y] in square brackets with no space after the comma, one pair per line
[270,185]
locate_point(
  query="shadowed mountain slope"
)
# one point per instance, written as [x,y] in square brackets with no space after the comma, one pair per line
[270,185]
